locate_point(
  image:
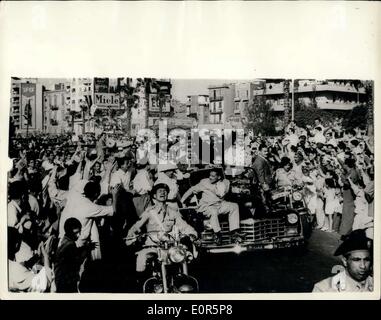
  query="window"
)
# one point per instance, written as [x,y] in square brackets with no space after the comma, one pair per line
[73,90]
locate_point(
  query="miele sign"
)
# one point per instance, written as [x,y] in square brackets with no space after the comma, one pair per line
[106,100]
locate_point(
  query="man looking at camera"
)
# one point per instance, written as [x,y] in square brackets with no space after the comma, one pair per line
[356,253]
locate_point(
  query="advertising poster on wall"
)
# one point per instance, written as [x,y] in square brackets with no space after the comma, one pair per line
[101,85]
[154,104]
[28,105]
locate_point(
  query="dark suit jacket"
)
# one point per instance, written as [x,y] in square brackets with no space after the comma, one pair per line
[263,172]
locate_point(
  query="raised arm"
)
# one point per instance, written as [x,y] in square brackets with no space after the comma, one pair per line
[187,194]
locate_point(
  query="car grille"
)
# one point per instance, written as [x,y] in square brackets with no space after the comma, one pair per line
[265,229]
[254,230]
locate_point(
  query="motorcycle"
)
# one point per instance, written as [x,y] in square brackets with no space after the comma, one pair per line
[168,264]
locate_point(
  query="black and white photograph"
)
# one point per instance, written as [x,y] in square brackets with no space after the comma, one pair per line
[145,185]
[189,150]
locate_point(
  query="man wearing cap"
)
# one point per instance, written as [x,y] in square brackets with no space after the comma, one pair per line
[356,252]
[166,174]
[158,218]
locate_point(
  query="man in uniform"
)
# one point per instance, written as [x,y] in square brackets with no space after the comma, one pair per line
[357,260]
[157,219]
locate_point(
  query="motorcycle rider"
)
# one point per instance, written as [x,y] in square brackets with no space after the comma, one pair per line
[158,219]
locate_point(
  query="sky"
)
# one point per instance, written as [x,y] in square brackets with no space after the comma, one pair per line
[181,88]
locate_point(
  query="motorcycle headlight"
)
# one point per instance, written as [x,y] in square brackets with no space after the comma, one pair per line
[297,196]
[189,256]
[177,254]
[292,218]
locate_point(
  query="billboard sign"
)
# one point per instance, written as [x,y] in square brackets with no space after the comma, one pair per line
[106,100]
[28,106]
[154,104]
[101,85]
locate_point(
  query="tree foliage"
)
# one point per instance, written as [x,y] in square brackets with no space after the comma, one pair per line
[260,118]
[357,117]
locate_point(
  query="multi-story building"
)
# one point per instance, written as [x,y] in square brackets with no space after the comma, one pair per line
[78,99]
[55,110]
[221,103]
[198,108]
[243,97]
[329,95]
[26,105]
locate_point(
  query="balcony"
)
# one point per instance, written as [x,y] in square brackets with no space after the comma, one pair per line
[53,122]
[54,107]
[329,105]
[330,87]
[216,98]
[216,111]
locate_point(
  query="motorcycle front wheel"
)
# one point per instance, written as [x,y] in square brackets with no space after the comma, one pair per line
[153,285]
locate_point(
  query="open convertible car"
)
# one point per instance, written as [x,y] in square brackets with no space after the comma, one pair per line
[285,224]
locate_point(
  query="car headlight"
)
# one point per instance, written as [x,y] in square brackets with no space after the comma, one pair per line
[297,196]
[177,254]
[292,218]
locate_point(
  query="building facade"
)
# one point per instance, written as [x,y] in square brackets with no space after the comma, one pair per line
[26,112]
[221,103]
[328,95]
[198,108]
[243,97]
[55,111]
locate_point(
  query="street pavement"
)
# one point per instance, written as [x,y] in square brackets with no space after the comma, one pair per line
[281,270]
[273,271]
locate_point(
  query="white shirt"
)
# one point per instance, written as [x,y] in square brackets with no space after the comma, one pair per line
[84,210]
[121,177]
[294,139]
[47,165]
[142,182]
[13,211]
[319,137]
[34,206]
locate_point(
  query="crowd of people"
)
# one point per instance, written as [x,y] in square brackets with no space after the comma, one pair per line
[69,199]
